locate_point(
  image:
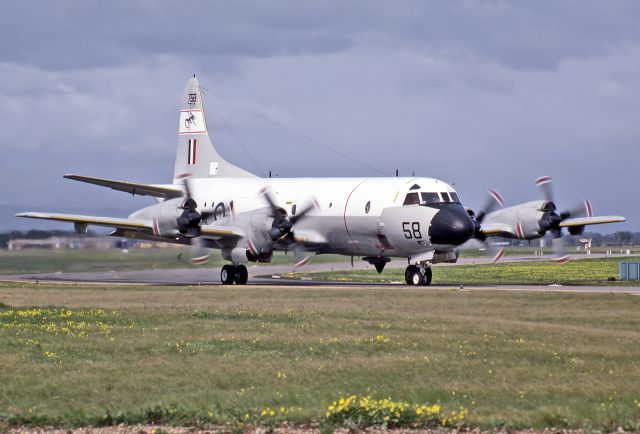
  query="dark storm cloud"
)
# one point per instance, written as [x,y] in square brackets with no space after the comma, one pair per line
[98,34]
[487,94]
[74,34]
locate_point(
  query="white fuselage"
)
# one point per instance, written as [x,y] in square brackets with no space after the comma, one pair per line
[353,216]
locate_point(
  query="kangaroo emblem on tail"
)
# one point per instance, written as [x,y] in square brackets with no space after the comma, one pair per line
[190,121]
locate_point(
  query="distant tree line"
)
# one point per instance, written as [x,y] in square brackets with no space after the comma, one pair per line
[36,234]
[620,238]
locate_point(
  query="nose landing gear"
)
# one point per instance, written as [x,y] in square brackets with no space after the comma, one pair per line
[418,275]
[230,274]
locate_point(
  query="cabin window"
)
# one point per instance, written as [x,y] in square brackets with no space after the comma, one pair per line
[330,204]
[293,209]
[430,198]
[412,199]
[367,207]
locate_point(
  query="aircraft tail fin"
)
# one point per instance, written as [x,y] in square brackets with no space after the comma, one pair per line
[196,155]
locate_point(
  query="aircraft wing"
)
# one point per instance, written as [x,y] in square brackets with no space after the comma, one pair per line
[112,222]
[497,229]
[221,231]
[583,221]
[133,225]
[155,190]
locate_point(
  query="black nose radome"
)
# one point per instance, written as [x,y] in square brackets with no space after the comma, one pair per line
[451,225]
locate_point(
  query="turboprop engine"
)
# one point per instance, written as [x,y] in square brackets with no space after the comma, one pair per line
[265,228]
[175,218]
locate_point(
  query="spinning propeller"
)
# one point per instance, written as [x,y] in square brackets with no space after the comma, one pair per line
[283,224]
[189,223]
[551,220]
[493,201]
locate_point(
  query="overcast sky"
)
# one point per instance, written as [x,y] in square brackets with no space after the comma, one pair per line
[483,94]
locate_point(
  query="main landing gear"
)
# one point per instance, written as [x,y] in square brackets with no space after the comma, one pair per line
[418,275]
[234,273]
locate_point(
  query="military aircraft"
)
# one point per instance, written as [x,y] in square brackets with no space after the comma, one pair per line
[213,204]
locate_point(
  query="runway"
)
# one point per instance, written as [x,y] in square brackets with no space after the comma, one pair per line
[270,275]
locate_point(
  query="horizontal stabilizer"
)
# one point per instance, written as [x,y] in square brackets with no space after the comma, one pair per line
[583,221]
[155,190]
[112,222]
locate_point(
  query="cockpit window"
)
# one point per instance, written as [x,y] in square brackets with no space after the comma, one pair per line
[445,196]
[415,187]
[412,199]
[454,197]
[430,198]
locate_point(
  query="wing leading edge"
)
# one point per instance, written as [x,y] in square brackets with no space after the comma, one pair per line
[135,225]
[583,221]
[112,222]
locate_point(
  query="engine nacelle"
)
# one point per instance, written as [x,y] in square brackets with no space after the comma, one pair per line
[523,220]
[237,255]
[164,216]
[258,244]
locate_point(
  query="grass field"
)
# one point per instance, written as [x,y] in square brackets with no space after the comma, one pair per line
[233,356]
[597,272]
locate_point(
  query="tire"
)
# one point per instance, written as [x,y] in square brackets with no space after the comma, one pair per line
[408,272]
[227,274]
[428,275]
[242,275]
[417,278]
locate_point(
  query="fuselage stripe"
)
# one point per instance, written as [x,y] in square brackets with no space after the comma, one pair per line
[346,204]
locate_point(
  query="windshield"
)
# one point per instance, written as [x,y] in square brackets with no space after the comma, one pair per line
[430,198]
[412,199]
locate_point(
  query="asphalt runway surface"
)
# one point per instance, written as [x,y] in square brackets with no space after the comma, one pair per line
[270,275]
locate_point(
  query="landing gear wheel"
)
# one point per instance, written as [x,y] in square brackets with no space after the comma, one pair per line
[417,277]
[427,276]
[408,273]
[242,275]
[227,274]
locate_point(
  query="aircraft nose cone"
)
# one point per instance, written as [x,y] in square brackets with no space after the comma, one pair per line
[451,225]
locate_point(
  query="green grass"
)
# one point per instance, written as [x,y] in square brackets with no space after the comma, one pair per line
[596,272]
[51,261]
[233,355]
